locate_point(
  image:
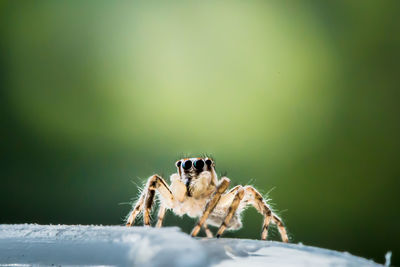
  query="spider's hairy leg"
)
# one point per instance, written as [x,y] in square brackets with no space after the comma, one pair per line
[208,232]
[232,208]
[221,188]
[267,220]
[226,199]
[146,200]
[161,214]
[135,211]
[281,228]
[256,199]
[154,183]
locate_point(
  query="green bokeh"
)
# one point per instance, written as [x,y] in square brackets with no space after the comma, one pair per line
[297,96]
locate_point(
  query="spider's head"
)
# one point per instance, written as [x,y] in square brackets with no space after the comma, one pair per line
[189,169]
[192,167]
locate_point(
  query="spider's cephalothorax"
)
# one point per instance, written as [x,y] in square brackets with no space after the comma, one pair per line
[196,191]
[191,171]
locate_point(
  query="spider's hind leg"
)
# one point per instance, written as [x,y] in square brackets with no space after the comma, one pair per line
[256,199]
[281,228]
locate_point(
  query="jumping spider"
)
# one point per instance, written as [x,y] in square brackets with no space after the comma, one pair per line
[196,191]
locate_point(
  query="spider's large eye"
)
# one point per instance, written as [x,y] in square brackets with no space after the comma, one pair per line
[199,164]
[208,162]
[187,165]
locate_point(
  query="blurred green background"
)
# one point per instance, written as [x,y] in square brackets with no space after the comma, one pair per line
[299,96]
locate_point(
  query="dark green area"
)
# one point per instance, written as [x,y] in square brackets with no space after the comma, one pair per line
[302,97]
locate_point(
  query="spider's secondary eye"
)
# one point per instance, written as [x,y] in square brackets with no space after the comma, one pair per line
[187,165]
[199,164]
[178,164]
[208,162]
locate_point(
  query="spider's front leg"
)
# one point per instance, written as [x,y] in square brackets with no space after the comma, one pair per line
[146,199]
[250,196]
[239,193]
[221,188]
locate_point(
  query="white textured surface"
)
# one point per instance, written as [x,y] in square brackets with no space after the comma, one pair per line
[22,245]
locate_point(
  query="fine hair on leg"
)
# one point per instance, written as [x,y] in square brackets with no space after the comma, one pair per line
[135,211]
[146,200]
[257,201]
